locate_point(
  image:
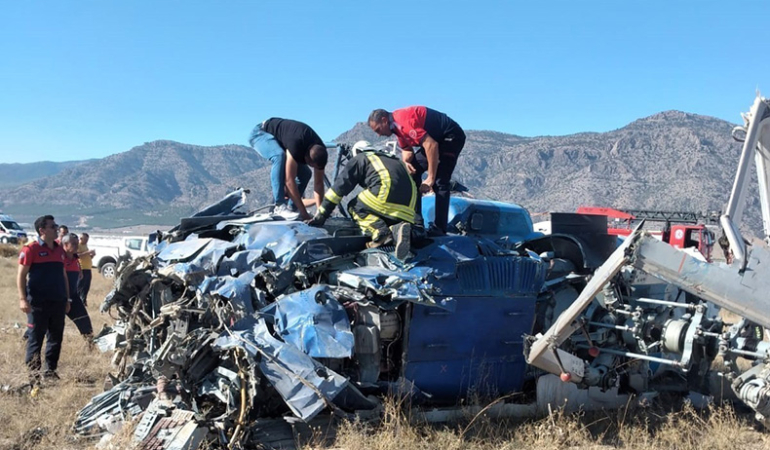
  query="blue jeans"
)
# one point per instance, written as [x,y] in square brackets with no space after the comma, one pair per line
[303,178]
[268,147]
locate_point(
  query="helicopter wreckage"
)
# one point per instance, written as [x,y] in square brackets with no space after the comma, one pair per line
[237,323]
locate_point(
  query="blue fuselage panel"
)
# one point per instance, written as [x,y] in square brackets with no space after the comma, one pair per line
[476,349]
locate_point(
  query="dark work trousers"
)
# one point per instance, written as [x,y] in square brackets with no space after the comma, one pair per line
[370,222]
[78,312]
[46,320]
[84,285]
[448,152]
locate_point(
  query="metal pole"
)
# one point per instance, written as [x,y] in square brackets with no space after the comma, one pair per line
[635,356]
[666,303]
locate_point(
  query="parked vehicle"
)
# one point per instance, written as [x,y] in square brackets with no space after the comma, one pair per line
[109,249]
[10,231]
[679,228]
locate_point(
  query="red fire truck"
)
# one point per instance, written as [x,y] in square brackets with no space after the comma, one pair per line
[680,229]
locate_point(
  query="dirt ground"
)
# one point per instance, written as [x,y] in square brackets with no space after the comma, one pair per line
[45,420]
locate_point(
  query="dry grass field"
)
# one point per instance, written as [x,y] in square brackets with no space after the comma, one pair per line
[44,421]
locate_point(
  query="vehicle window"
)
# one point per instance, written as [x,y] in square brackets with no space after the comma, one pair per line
[693,239]
[10,225]
[134,244]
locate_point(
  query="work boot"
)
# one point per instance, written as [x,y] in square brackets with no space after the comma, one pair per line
[51,375]
[403,235]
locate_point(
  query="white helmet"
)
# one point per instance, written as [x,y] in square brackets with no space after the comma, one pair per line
[362,146]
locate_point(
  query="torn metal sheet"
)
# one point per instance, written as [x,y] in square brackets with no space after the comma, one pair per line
[305,384]
[229,204]
[182,251]
[207,261]
[391,286]
[281,239]
[240,262]
[123,400]
[237,290]
[313,321]
[444,253]
[223,384]
[110,337]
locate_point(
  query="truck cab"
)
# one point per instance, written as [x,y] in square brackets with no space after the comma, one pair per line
[692,236]
[681,230]
[10,231]
[110,249]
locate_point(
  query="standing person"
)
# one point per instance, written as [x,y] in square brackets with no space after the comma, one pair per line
[292,148]
[441,139]
[43,296]
[63,229]
[77,313]
[384,210]
[86,264]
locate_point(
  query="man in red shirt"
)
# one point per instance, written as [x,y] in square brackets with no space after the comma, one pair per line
[78,312]
[43,294]
[430,143]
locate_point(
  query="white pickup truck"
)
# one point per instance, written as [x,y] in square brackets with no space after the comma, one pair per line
[108,250]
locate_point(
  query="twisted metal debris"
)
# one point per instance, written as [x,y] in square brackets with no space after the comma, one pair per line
[235,318]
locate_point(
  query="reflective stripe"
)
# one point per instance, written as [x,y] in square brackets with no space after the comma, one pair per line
[392,210]
[321,209]
[365,223]
[332,196]
[385,181]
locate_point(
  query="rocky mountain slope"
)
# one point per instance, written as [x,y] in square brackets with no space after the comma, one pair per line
[14,174]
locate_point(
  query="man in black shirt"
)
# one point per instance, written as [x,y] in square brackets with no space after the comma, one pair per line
[292,147]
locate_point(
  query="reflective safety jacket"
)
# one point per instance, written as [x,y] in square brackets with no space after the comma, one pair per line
[388,189]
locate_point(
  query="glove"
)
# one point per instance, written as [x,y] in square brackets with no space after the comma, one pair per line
[317,220]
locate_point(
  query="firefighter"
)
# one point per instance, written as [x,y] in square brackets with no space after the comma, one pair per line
[384,210]
[43,296]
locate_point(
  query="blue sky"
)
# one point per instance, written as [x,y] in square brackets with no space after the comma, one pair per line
[86,79]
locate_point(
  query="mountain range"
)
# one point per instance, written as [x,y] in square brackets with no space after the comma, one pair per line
[18,173]
[668,161]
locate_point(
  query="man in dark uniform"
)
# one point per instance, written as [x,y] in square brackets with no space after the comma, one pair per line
[441,139]
[291,147]
[43,296]
[386,205]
